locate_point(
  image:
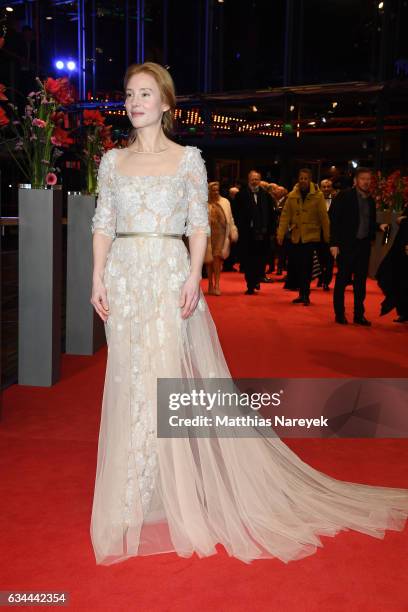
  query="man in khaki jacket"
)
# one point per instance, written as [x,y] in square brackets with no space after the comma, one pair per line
[305,216]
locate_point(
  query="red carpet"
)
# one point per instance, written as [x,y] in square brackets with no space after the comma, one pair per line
[48,442]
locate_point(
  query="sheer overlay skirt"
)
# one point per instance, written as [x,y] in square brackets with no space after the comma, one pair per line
[253,495]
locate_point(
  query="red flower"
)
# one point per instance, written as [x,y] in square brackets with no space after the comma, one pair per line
[2,90]
[106,132]
[39,123]
[59,89]
[4,120]
[61,137]
[51,178]
[92,117]
[58,118]
[108,144]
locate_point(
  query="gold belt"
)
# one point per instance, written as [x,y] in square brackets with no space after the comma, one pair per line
[148,235]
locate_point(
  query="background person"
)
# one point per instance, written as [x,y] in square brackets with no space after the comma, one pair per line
[352,230]
[253,212]
[305,214]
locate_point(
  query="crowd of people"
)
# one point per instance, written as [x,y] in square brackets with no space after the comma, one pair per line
[261,229]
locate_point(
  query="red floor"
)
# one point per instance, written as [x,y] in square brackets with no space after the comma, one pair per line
[48,441]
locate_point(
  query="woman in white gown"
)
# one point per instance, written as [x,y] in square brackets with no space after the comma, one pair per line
[253,495]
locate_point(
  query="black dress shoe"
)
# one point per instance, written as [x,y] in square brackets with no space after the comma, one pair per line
[342,320]
[386,307]
[401,319]
[258,287]
[361,321]
[265,279]
[306,302]
[298,300]
[250,292]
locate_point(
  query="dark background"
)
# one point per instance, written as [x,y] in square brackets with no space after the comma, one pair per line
[332,41]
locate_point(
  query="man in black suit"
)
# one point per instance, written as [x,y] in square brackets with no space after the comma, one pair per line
[352,230]
[256,223]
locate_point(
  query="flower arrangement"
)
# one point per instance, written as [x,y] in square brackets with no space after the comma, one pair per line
[97,140]
[39,133]
[390,192]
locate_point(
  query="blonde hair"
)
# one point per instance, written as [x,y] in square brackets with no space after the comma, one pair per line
[167,91]
[210,185]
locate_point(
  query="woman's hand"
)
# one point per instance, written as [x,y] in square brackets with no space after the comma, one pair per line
[190,294]
[99,299]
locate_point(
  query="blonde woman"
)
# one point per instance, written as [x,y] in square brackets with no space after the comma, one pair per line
[156,494]
[218,243]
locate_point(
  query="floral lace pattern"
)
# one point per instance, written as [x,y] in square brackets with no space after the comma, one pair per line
[169,204]
[142,312]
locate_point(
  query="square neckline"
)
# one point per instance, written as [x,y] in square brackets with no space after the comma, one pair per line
[133,176]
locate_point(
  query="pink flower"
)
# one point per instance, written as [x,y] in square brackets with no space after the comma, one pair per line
[39,123]
[51,178]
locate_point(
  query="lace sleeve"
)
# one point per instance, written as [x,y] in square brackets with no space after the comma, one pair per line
[104,219]
[197,196]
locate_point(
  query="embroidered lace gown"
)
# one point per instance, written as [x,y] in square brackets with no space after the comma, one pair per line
[253,495]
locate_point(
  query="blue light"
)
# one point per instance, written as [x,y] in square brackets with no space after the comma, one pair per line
[71,65]
[59,64]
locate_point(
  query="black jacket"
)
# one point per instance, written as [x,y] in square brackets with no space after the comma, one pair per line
[344,215]
[252,219]
[392,274]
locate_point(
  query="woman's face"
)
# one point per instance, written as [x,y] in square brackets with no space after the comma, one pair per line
[143,102]
[214,190]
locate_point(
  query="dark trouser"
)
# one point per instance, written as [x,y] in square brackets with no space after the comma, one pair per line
[292,268]
[326,261]
[402,293]
[254,262]
[270,259]
[282,253]
[304,261]
[352,259]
